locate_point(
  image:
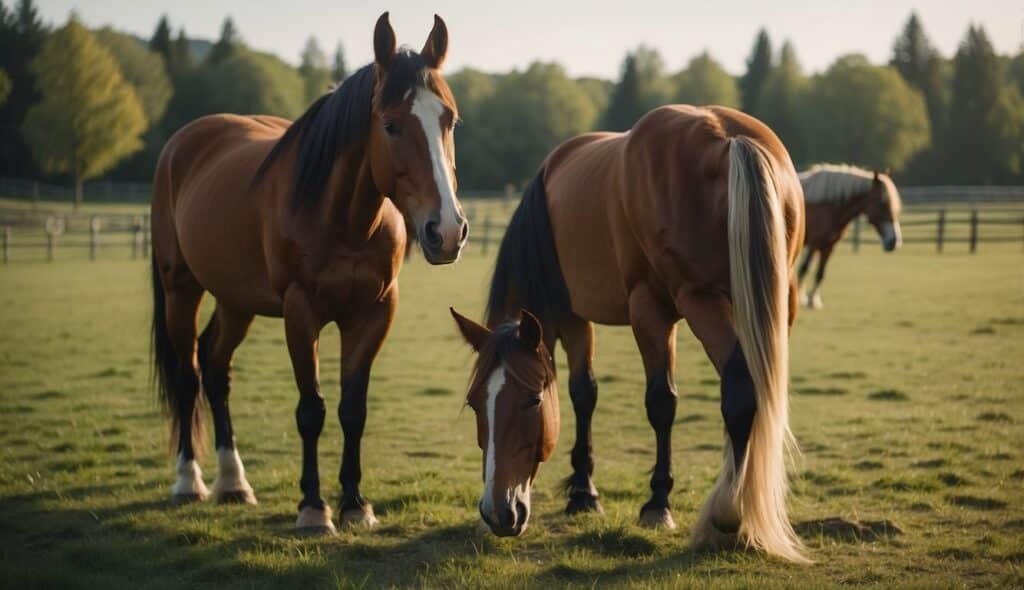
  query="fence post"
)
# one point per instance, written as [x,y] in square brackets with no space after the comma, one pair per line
[7,241]
[510,193]
[54,227]
[35,194]
[940,235]
[856,233]
[136,236]
[486,238]
[974,230]
[94,236]
[145,235]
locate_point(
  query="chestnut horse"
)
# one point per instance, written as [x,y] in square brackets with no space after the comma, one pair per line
[305,221]
[834,195]
[695,214]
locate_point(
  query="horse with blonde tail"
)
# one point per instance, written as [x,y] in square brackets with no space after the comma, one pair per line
[695,214]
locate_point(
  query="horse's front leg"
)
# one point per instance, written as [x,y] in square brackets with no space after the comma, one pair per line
[362,337]
[302,330]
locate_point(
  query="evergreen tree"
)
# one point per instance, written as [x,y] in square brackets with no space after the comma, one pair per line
[759,66]
[641,87]
[5,87]
[89,117]
[705,82]
[227,45]
[339,71]
[922,67]
[21,37]
[984,115]
[313,69]
[780,103]
[162,44]
[182,52]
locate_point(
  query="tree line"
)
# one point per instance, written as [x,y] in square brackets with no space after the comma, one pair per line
[77,104]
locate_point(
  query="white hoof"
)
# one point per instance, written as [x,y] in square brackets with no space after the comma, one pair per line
[315,521]
[189,486]
[231,486]
[816,302]
[359,517]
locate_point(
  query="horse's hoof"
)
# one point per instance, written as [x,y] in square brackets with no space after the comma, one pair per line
[187,498]
[657,518]
[580,503]
[244,496]
[726,527]
[816,302]
[314,522]
[359,517]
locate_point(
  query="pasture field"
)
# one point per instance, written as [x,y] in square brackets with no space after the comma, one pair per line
[907,398]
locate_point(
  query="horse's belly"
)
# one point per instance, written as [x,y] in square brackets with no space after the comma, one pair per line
[223,248]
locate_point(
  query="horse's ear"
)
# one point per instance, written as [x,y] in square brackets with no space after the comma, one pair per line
[474,334]
[888,171]
[530,333]
[436,47]
[875,173]
[383,42]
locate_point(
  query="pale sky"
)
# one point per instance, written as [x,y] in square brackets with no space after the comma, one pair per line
[588,38]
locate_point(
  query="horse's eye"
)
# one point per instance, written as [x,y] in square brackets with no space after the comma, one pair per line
[392,128]
[534,400]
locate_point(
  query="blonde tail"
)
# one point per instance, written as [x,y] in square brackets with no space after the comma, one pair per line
[759,272]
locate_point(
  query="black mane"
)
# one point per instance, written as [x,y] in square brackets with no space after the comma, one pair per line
[527,271]
[338,121]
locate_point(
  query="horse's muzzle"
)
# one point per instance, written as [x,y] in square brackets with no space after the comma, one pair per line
[507,521]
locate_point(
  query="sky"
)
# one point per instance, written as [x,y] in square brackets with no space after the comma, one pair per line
[588,38]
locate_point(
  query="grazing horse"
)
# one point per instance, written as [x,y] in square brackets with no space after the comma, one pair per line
[695,214]
[834,195]
[305,221]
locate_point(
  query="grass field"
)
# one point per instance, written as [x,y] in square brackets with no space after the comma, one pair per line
[908,400]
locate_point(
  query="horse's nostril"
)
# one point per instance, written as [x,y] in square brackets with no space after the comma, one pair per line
[507,518]
[432,235]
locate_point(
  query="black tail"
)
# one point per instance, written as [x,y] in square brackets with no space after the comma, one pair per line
[164,370]
[527,273]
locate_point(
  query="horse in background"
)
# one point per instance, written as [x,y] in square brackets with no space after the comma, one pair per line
[695,213]
[306,221]
[834,195]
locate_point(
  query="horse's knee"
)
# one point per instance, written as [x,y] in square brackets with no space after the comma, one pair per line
[739,403]
[660,401]
[309,415]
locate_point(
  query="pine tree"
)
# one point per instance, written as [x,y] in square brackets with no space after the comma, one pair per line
[182,52]
[161,43]
[705,82]
[759,66]
[338,69]
[313,70]
[89,117]
[780,99]
[641,87]
[227,45]
[921,66]
[976,94]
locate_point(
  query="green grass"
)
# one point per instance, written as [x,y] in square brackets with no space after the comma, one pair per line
[910,476]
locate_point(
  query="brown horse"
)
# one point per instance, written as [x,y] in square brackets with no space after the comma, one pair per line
[305,221]
[696,214]
[834,195]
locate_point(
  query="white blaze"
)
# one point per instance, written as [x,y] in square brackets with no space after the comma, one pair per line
[494,385]
[428,108]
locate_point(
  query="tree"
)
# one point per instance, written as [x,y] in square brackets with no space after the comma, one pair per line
[313,70]
[598,90]
[759,66]
[780,101]
[21,38]
[985,115]
[248,83]
[641,87]
[477,160]
[140,68]
[182,53]
[161,43]
[864,114]
[228,44]
[526,115]
[1016,71]
[338,69]
[89,117]
[705,82]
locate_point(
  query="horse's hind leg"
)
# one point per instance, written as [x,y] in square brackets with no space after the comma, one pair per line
[813,299]
[577,337]
[226,330]
[182,308]
[654,327]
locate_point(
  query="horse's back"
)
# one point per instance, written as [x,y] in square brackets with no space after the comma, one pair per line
[206,217]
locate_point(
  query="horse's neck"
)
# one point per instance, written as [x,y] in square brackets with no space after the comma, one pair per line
[354,202]
[851,208]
